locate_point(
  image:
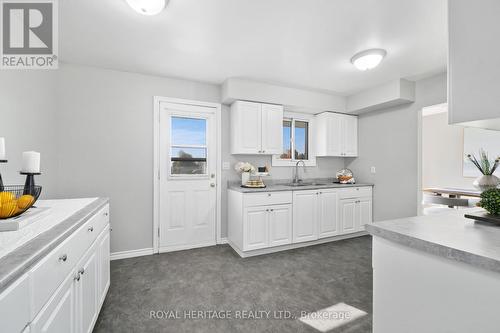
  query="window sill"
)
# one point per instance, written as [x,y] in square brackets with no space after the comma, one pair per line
[277,162]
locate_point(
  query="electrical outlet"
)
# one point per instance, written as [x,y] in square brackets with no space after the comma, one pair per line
[373,170]
[226,166]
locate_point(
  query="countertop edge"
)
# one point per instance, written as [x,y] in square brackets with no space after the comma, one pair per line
[435,248]
[281,188]
[54,236]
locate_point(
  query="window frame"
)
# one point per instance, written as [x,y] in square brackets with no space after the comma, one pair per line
[310,120]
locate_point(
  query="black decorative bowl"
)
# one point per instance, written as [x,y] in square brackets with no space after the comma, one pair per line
[16,199]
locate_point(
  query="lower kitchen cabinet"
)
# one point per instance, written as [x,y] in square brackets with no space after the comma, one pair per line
[354,214]
[263,220]
[76,275]
[305,216]
[267,226]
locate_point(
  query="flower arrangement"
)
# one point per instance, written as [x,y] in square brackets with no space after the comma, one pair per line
[244,167]
[490,200]
[484,165]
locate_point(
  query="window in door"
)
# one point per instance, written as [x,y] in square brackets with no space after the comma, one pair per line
[188,146]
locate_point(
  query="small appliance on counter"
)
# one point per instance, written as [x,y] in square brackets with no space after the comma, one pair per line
[345,176]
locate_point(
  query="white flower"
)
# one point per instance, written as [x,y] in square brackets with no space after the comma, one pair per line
[244,167]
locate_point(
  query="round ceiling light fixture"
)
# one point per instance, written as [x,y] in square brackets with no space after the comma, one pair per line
[147,7]
[368,59]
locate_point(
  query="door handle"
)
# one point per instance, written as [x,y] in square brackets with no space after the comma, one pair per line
[212,185]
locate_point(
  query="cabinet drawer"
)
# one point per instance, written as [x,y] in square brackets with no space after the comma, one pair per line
[15,306]
[48,274]
[267,198]
[355,192]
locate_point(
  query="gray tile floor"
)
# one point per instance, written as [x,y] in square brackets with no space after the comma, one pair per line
[215,278]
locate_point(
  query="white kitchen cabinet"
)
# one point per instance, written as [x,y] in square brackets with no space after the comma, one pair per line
[63,292]
[336,135]
[256,128]
[305,216]
[267,226]
[87,291]
[104,273]
[354,214]
[256,228]
[58,315]
[328,213]
[280,225]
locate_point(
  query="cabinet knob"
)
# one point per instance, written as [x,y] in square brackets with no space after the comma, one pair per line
[64,257]
[272,210]
[267,210]
[269,194]
[91,228]
[81,271]
[212,185]
[106,214]
[77,277]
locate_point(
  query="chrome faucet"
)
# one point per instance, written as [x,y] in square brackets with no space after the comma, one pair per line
[296,178]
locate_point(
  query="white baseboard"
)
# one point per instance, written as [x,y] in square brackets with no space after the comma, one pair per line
[223,241]
[131,254]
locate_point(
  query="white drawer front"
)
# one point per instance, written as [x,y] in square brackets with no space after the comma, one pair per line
[355,192]
[15,306]
[267,198]
[49,273]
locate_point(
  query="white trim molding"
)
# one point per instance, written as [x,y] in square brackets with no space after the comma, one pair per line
[131,253]
[223,240]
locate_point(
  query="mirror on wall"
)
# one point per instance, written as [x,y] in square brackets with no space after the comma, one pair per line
[476,139]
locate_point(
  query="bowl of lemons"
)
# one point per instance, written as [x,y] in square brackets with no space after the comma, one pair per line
[16,199]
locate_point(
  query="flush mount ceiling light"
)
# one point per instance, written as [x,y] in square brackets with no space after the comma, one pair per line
[368,59]
[147,7]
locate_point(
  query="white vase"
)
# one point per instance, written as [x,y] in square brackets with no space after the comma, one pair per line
[486,182]
[245,177]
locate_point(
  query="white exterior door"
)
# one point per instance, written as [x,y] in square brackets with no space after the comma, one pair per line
[328,213]
[348,215]
[187,186]
[280,225]
[272,129]
[305,216]
[256,223]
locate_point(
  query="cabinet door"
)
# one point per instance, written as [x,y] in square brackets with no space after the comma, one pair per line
[246,128]
[347,215]
[58,315]
[256,228]
[305,216]
[364,213]
[103,269]
[272,129]
[335,136]
[350,135]
[280,225]
[87,291]
[328,213]
[15,305]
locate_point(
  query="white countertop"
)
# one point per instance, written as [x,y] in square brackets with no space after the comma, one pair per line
[60,210]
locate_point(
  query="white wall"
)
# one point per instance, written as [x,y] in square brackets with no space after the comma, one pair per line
[388,141]
[105,141]
[27,121]
[442,153]
[474,65]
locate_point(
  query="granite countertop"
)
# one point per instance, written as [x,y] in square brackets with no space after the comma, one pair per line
[450,235]
[22,249]
[280,185]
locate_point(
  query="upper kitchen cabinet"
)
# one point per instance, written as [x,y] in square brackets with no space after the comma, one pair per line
[336,135]
[474,65]
[256,128]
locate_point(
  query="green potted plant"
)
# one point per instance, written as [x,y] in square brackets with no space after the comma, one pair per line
[490,200]
[488,180]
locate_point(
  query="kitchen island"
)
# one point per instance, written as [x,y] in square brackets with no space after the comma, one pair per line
[435,274]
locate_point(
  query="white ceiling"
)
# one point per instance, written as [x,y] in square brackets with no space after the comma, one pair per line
[300,43]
